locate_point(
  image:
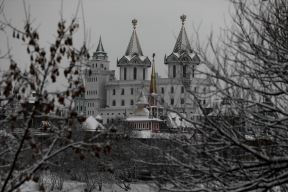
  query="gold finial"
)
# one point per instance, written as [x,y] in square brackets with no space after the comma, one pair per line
[183,18]
[134,23]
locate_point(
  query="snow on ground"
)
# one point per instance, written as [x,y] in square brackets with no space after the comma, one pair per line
[29,186]
[73,186]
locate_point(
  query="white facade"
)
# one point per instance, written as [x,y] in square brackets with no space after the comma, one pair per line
[114,99]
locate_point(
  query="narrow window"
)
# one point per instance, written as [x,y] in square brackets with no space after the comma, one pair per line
[125,73]
[162,90]
[172,89]
[182,89]
[114,92]
[113,103]
[144,74]
[172,101]
[174,71]
[132,91]
[193,71]
[123,102]
[131,102]
[184,70]
[135,73]
[122,91]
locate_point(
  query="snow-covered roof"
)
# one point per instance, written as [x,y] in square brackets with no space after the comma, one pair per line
[91,124]
[98,117]
[142,58]
[193,54]
[142,100]
[176,54]
[142,118]
[142,112]
[175,121]
[129,57]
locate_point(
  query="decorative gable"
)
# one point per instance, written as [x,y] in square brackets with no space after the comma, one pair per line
[123,61]
[171,58]
[185,58]
[196,59]
[135,60]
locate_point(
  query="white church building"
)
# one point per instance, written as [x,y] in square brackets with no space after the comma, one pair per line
[114,98]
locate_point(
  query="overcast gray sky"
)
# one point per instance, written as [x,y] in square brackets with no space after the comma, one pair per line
[158,23]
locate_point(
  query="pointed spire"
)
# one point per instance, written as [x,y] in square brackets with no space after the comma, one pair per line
[153,85]
[134,44]
[153,88]
[182,43]
[100,53]
[100,47]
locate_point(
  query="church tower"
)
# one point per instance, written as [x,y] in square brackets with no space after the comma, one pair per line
[133,65]
[182,62]
[96,77]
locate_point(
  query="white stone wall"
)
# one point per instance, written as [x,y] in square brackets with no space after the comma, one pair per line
[119,91]
[171,91]
[179,70]
[105,96]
